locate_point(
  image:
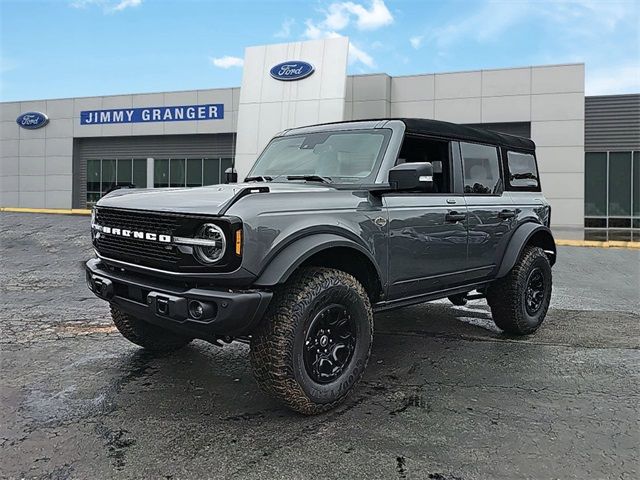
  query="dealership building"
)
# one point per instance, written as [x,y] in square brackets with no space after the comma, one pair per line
[66,153]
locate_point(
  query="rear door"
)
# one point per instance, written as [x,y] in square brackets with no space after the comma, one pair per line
[491,215]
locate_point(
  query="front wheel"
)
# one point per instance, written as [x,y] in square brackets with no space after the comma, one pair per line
[314,343]
[520,300]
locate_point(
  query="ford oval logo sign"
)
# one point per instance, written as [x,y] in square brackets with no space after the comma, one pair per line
[293,70]
[32,120]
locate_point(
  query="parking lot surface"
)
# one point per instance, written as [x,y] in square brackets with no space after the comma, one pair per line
[446,395]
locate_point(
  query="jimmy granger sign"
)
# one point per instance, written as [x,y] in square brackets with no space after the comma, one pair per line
[178,113]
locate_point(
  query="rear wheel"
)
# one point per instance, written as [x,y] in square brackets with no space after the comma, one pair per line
[145,334]
[314,343]
[520,300]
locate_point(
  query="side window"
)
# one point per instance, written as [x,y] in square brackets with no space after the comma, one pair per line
[420,149]
[481,169]
[522,171]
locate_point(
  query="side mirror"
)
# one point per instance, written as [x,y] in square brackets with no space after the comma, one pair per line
[230,175]
[412,176]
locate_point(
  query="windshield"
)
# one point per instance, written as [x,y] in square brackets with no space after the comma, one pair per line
[336,157]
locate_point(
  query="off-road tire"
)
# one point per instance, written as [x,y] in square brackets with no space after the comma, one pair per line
[507,296]
[278,342]
[145,334]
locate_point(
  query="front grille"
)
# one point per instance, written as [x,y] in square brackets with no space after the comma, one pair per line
[137,250]
[142,252]
[156,254]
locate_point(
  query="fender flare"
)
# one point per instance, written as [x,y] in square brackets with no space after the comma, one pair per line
[521,237]
[293,255]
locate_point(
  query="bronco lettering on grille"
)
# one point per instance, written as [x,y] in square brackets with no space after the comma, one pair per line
[121,232]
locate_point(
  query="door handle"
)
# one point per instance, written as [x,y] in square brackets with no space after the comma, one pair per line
[455,216]
[504,214]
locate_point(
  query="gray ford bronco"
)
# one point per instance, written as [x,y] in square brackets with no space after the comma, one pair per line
[334,223]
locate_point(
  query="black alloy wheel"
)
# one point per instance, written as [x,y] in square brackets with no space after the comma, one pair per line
[535,291]
[329,344]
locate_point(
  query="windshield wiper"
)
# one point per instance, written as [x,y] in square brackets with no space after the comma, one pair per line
[258,178]
[310,178]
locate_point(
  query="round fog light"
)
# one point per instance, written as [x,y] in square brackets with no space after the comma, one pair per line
[196,310]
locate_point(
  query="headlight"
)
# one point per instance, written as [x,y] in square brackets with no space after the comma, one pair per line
[213,246]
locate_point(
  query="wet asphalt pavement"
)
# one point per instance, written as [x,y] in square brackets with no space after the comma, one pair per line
[446,395]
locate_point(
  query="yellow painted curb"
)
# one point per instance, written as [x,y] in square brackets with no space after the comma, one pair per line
[598,244]
[61,211]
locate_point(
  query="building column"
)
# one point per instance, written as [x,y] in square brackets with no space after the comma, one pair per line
[150,172]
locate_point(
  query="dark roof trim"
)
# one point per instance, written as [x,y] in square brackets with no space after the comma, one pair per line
[461,132]
[424,126]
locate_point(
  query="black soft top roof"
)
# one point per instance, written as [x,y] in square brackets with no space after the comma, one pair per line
[461,132]
[424,126]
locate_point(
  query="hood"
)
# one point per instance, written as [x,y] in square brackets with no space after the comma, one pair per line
[211,200]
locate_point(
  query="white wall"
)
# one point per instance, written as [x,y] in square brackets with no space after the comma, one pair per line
[36,166]
[268,106]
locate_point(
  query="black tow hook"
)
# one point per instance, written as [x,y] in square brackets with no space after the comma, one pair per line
[102,287]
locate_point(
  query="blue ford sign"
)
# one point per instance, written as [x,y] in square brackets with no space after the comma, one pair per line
[293,70]
[176,113]
[32,120]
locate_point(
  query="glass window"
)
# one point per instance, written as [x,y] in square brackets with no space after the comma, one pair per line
[161,173]
[599,235]
[93,175]
[140,172]
[341,156]
[595,184]
[124,171]
[421,149]
[523,173]
[636,185]
[194,172]
[211,171]
[108,175]
[595,222]
[618,222]
[177,172]
[619,183]
[620,235]
[481,169]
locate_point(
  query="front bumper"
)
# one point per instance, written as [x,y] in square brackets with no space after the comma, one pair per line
[173,305]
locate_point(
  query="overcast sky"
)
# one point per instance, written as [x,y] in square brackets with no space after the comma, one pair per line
[69,48]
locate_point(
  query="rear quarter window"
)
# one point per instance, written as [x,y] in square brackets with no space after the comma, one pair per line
[522,172]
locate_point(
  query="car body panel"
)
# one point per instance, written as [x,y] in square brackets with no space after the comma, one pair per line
[425,250]
[273,221]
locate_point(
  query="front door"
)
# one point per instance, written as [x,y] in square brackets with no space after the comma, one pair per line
[427,231]
[427,242]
